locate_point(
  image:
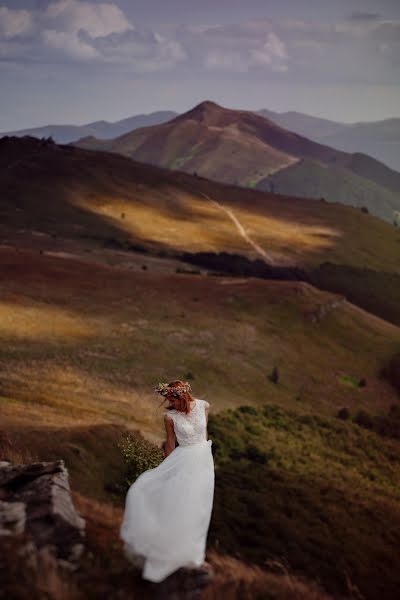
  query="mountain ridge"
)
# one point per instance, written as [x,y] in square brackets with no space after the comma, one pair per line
[244,148]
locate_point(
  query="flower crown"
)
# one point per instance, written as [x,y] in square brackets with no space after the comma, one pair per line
[164,389]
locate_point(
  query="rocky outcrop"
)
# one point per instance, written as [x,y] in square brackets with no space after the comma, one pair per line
[35,501]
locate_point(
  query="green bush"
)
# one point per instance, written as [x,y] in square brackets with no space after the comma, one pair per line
[312,489]
[250,410]
[139,455]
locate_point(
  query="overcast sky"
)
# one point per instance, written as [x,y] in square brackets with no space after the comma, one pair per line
[75,61]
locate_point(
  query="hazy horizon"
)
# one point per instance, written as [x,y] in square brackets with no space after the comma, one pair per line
[76,61]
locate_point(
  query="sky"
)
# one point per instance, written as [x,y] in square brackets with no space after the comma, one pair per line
[77,61]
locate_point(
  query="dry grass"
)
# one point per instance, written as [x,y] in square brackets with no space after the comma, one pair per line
[14,453]
[87,345]
[235,579]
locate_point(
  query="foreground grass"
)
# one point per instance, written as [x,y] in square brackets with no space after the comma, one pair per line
[321,493]
[105,573]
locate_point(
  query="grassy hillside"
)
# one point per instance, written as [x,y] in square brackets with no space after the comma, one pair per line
[81,195]
[318,492]
[95,311]
[312,180]
[84,344]
[243,148]
[99,201]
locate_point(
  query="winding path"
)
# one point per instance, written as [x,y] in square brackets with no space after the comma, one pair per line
[242,230]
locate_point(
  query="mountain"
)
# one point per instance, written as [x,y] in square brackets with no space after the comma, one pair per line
[97,307]
[73,193]
[379,139]
[64,134]
[246,149]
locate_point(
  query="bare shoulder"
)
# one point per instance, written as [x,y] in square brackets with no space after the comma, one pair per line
[168,418]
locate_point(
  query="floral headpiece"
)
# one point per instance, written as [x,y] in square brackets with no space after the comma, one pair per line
[164,389]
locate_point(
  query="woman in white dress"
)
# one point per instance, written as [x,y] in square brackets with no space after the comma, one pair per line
[168,508]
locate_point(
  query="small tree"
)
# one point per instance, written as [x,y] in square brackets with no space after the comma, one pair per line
[274,375]
[139,455]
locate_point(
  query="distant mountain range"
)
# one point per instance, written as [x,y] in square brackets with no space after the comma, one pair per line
[246,149]
[63,134]
[379,139]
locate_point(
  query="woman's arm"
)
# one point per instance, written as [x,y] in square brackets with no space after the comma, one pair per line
[171,438]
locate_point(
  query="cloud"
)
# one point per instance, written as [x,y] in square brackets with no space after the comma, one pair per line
[269,54]
[362,48]
[364,16]
[14,23]
[68,44]
[84,32]
[96,19]
[142,51]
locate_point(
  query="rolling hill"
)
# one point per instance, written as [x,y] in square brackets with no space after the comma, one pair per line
[63,134]
[243,148]
[379,139]
[68,192]
[96,306]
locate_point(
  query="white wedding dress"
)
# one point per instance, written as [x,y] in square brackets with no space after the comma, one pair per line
[168,508]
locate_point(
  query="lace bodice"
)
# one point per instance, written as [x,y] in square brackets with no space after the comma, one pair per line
[190,428]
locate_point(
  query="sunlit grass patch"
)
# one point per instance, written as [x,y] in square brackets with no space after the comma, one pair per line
[36,320]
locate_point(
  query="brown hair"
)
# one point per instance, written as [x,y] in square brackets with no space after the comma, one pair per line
[184,399]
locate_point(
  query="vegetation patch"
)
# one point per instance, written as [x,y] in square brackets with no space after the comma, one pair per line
[349,380]
[320,493]
[139,456]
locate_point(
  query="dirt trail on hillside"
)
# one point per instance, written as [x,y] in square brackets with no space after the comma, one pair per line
[265,256]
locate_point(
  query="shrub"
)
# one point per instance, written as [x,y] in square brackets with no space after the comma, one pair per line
[364,419]
[249,410]
[391,372]
[139,455]
[255,454]
[343,414]
[274,375]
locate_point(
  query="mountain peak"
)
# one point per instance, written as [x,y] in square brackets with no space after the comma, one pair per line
[208,105]
[207,112]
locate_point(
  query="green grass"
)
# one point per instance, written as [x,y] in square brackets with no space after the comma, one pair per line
[310,179]
[321,493]
[349,380]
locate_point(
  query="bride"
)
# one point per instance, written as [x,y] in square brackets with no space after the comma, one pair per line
[168,509]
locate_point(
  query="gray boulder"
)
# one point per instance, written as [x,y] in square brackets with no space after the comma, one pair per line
[35,500]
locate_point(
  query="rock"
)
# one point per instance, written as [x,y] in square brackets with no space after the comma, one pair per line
[12,518]
[35,500]
[184,584]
